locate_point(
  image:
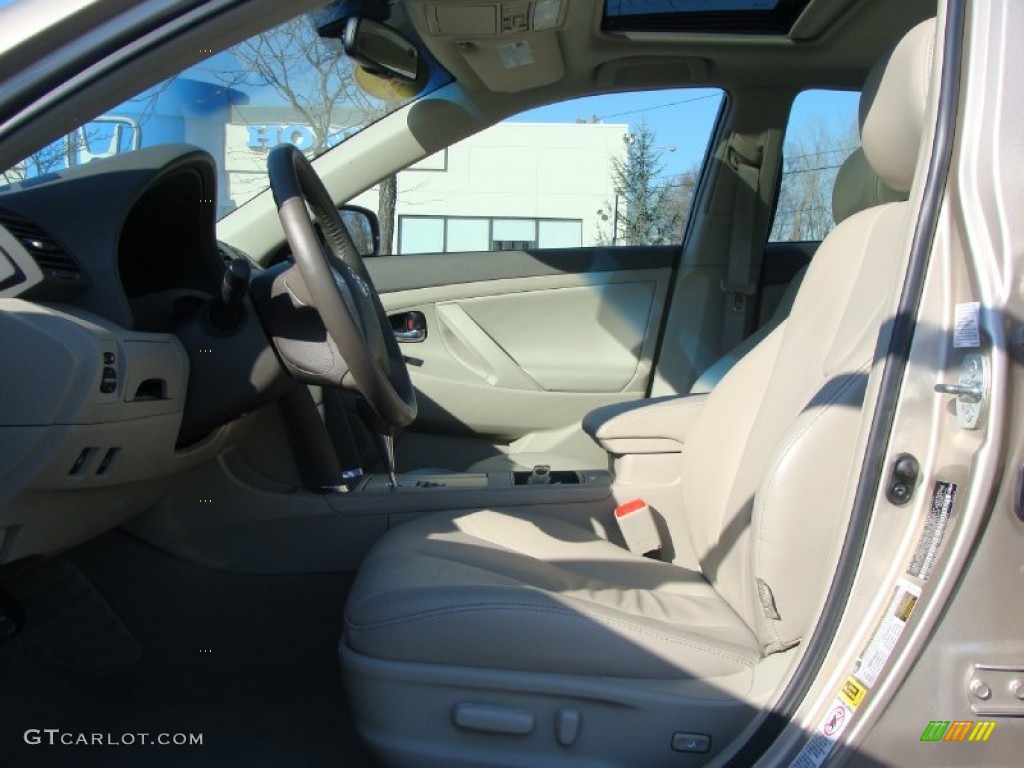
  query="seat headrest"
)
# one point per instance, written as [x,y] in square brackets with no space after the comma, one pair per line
[858,187]
[893,106]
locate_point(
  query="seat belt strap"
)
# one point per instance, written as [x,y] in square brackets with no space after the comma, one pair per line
[744,157]
[340,433]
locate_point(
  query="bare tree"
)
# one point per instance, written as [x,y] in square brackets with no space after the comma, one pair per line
[59,154]
[49,158]
[317,83]
[313,79]
[72,148]
[811,160]
[680,196]
[388,199]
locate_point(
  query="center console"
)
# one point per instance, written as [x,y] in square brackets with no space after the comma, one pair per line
[419,493]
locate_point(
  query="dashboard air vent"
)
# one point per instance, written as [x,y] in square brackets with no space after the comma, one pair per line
[51,257]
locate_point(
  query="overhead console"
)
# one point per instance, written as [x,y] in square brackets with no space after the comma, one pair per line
[510,46]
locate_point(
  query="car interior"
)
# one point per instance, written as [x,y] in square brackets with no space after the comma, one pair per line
[589,517]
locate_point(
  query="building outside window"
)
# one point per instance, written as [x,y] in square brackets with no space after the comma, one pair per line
[514,186]
[444,234]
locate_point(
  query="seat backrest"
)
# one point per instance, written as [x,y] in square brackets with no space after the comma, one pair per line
[856,188]
[768,461]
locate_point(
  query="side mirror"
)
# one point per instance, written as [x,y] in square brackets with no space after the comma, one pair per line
[381,50]
[363,226]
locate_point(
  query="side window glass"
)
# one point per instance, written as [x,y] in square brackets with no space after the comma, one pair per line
[611,170]
[822,133]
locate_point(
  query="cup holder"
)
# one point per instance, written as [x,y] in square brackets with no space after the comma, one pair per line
[544,475]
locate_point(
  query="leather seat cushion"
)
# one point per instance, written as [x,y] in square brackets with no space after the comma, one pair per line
[512,591]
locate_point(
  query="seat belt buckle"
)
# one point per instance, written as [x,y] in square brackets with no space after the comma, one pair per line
[638,528]
[738,292]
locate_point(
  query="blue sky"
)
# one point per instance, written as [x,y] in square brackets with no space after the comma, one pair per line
[684,118]
[680,118]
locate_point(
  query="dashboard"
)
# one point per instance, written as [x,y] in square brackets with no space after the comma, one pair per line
[115,379]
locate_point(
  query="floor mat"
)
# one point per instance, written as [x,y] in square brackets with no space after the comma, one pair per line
[67,621]
[136,642]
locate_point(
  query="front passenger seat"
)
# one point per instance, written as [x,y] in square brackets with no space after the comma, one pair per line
[501,637]
[856,187]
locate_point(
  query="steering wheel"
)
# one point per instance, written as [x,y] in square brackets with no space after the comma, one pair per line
[339,288]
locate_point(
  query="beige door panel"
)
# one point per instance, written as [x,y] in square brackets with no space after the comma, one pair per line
[472,347]
[501,413]
[585,339]
[506,358]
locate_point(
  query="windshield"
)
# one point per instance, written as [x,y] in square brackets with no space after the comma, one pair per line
[285,85]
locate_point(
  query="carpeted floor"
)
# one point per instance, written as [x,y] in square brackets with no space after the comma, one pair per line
[123,639]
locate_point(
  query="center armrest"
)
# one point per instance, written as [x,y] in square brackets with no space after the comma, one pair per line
[656,425]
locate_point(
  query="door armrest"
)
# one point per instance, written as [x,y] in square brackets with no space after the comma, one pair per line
[656,425]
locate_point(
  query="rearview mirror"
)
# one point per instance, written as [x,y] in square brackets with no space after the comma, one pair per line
[363,226]
[381,50]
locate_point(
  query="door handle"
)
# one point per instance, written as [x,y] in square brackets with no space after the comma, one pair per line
[409,327]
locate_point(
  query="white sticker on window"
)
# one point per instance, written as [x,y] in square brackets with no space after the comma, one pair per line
[966,325]
[515,55]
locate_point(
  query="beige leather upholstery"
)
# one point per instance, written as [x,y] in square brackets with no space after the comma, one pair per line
[856,188]
[655,425]
[527,592]
[766,464]
[892,109]
[709,379]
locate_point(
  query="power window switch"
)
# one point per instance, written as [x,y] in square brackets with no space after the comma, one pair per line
[696,743]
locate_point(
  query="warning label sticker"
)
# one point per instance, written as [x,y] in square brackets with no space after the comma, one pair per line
[967,325]
[887,634]
[867,669]
[825,735]
[935,525]
[853,692]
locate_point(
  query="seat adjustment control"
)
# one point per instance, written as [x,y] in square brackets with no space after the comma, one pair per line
[490,718]
[698,743]
[567,726]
